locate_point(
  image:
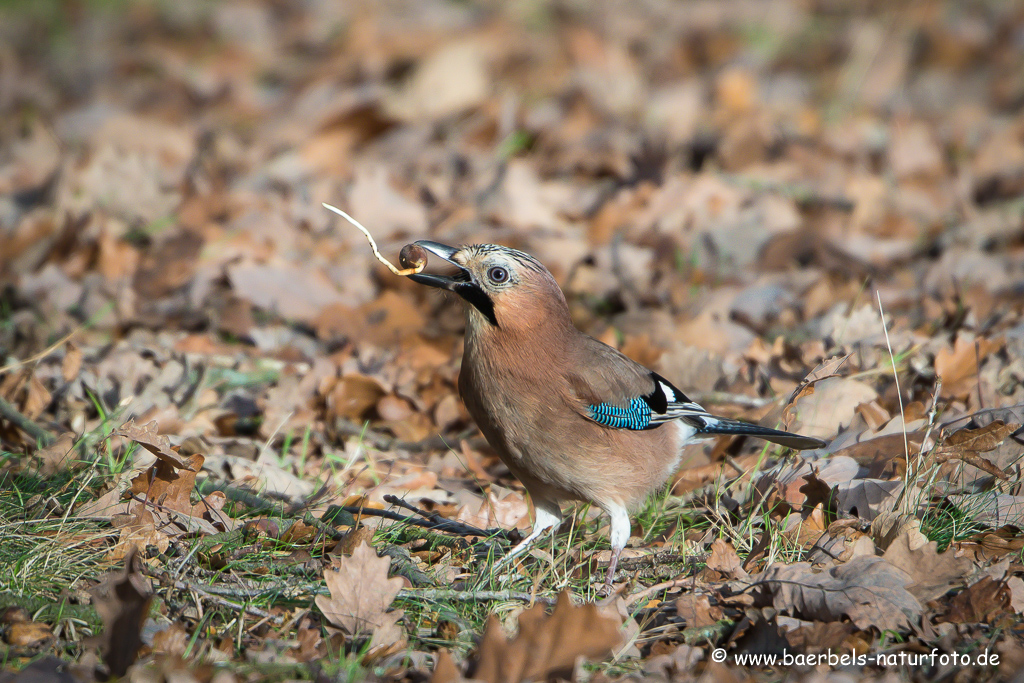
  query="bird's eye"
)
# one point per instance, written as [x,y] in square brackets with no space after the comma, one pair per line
[497,274]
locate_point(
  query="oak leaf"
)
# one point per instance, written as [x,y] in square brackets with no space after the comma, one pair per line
[867,589]
[546,646]
[933,574]
[146,436]
[966,445]
[361,593]
[724,560]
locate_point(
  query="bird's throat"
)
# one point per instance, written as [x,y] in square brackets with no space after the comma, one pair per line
[478,299]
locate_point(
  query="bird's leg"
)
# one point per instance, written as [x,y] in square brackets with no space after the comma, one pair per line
[621,528]
[548,516]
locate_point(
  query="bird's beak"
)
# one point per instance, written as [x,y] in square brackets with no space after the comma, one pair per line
[441,281]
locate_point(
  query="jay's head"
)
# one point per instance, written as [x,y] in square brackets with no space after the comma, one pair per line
[502,287]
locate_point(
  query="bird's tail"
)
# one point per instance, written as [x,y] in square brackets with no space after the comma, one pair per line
[721,425]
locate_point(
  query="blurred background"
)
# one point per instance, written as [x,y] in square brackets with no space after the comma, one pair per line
[719,186]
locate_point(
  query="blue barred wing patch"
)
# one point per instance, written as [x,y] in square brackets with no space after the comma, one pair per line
[636,416]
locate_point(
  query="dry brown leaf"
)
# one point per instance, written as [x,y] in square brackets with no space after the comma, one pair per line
[356,537]
[445,668]
[982,439]
[867,498]
[818,636]
[72,363]
[1016,586]
[147,436]
[290,290]
[832,405]
[933,574]
[697,611]
[840,544]
[957,366]
[723,559]
[58,455]
[170,486]
[989,545]
[29,636]
[448,81]
[173,640]
[945,454]
[823,370]
[122,601]
[966,444]
[23,389]
[546,646]
[383,320]
[501,508]
[804,530]
[139,530]
[107,505]
[354,396]
[361,593]
[888,526]
[673,664]
[690,478]
[885,457]
[983,602]
[867,589]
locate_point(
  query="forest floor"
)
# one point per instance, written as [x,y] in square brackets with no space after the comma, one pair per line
[231,443]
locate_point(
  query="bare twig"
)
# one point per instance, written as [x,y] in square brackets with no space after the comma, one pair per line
[326,529]
[446,525]
[45,352]
[451,526]
[437,594]
[239,495]
[441,594]
[207,594]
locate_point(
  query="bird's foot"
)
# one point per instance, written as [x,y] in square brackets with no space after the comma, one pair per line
[609,581]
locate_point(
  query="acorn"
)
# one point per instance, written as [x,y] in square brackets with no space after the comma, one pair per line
[413,257]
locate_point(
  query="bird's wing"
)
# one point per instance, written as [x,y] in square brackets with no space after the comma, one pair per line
[618,392]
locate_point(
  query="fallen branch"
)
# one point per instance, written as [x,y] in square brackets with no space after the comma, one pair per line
[208,594]
[436,594]
[451,526]
[447,525]
[442,594]
[258,503]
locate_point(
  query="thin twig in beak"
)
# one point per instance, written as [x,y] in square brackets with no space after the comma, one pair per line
[373,245]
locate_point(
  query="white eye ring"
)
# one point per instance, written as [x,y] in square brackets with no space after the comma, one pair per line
[497,275]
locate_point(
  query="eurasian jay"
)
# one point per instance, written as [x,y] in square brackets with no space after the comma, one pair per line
[571,417]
